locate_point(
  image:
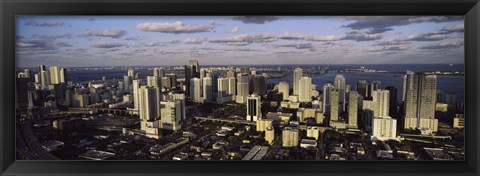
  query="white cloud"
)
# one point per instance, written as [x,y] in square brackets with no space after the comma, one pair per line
[174,28]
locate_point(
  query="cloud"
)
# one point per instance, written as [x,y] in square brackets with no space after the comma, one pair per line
[53,36]
[174,28]
[255,19]
[393,48]
[453,29]
[292,36]
[309,37]
[391,42]
[107,45]
[193,41]
[242,40]
[426,37]
[381,24]
[361,36]
[296,45]
[327,38]
[44,24]
[113,33]
[35,44]
[443,45]
[235,29]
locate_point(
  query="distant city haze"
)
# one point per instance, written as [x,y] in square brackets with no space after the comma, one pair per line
[85,41]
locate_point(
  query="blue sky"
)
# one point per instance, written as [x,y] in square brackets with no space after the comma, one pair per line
[237,40]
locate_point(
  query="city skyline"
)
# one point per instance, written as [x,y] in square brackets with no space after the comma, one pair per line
[69,41]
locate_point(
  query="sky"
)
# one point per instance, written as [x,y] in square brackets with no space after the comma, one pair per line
[77,41]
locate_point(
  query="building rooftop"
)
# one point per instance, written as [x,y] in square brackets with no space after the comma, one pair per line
[97,155]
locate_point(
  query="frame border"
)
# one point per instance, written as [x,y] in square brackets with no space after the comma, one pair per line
[10,8]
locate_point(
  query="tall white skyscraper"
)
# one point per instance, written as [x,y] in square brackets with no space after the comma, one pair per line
[379,104]
[196,90]
[136,95]
[207,89]
[254,105]
[57,75]
[284,88]
[149,110]
[297,75]
[226,89]
[353,109]
[305,89]
[340,86]
[242,88]
[420,101]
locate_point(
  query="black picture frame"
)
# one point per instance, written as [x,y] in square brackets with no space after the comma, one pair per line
[9,9]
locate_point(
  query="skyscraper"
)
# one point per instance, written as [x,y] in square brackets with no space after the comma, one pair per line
[57,75]
[290,137]
[149,109]
[43,76]
[136,95]
[154,81]
[254,108]
[305,89]
[196,90]
[160,72]
[327,90]
[231,72]
[127,82]
[171,114]
[420,100]
[284,88]
[379,104]
[207,89]
[242,88]
[173,80]
[339,84]
[192,70]
[362,88]
[334,105]
[353,109]
[297,75]
[131,73]
[393,105]
[259,85]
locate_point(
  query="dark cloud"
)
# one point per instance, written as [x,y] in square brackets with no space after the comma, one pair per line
[443,45]
[380,24]
[175,28]
[44,24]
[107,45]
[255,19]
[113,33]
